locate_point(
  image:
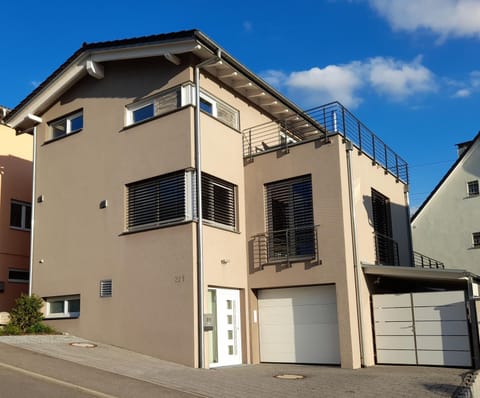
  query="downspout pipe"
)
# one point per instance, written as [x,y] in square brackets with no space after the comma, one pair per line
[472,309]
[198,180]
[32,222]
[356,262]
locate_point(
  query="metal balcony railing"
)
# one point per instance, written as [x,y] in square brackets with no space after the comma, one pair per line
[386,250]
[332,118]
[420,260]
[285,246]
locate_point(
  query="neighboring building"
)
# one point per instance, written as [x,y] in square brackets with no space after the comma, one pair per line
[263,265]
[447,224]
[15,213]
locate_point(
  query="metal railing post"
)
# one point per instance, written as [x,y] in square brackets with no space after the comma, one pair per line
[359,135]
[250,144]
[343,122]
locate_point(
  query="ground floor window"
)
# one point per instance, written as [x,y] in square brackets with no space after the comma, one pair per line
[63,307]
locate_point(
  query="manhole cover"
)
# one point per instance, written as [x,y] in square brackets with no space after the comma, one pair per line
[290,377]
[83,345]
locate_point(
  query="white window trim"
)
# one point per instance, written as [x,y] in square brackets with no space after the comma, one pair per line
[12,280]
[68,125]
[23,220]
[66,313]
[470,195]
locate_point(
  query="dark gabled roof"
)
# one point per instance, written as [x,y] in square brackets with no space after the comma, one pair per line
[450,171]
[100,45]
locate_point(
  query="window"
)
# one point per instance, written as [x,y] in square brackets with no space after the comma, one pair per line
[106,288]
[20,215]
[218,201]
[154,106]
[63,307]
[386,247]
[472,188]
[291,231]
[219,110]
[66,125]
[18,275]
[160,201]
[476,239]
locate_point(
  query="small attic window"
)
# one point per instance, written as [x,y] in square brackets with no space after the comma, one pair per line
[69,124]
[473,188]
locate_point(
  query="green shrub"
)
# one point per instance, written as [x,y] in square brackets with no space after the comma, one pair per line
[40,328]
[26,312]
[9,329]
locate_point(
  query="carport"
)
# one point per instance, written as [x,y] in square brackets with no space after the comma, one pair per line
[424,316]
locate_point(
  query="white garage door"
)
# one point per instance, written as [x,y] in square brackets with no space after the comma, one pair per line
[299,325]
[422,329]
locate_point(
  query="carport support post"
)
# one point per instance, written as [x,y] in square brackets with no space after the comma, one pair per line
[472,309]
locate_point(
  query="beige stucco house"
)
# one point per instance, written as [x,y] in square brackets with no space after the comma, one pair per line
[447,225]
[187,210]
[15,213]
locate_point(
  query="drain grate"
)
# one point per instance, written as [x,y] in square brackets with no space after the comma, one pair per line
[289,377]
[83,345]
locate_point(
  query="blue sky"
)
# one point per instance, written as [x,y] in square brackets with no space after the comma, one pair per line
[409,69]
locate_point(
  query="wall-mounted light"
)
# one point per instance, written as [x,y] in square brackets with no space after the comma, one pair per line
[41,199]
[224,261]
[103,204]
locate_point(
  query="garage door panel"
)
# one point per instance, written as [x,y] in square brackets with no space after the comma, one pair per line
[392,300]
[449,343]
[299,325]
[454,312]
[396,342]
[394,314]
[436,328]
[444,358]
[406,357]
[439,298]
[394,328]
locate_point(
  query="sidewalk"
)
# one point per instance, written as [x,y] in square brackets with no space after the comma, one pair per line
[251,380]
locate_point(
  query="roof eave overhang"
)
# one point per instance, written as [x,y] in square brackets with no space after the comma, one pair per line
[418,273]
[81,65]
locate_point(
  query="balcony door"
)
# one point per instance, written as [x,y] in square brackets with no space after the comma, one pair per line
[386,247]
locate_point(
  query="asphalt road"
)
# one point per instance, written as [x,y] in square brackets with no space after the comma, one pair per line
[28,374]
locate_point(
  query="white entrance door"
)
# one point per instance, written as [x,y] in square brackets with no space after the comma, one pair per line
[422,329]
[226,336]
[299,325]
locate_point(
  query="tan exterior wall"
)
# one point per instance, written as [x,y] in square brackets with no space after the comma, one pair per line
[15,183]
[327,164]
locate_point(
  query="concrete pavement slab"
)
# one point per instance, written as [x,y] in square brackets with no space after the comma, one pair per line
[249,380]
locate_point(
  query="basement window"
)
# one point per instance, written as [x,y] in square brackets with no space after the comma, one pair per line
[63,307]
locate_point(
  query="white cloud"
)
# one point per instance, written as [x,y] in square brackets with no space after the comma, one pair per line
[388,77]
[446,18]
[398,79]
[462,93]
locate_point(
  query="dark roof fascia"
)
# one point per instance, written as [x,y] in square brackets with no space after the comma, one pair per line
[450,171]
[96,46]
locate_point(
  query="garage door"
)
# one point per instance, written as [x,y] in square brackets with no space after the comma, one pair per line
[422,329]
[299,325]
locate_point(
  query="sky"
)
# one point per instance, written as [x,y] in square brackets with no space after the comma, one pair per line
[408,69]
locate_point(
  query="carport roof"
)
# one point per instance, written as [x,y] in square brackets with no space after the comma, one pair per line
[418,273]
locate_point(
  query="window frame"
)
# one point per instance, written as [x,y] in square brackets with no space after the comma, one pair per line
[23,216]
[66,314]
[130,209]
[476,188]
[16,280]
[209,198]
[476,240]
[67,119]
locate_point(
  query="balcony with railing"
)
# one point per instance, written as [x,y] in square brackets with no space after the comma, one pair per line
[386,250]
[318,123]
[285,246]
[422,261]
